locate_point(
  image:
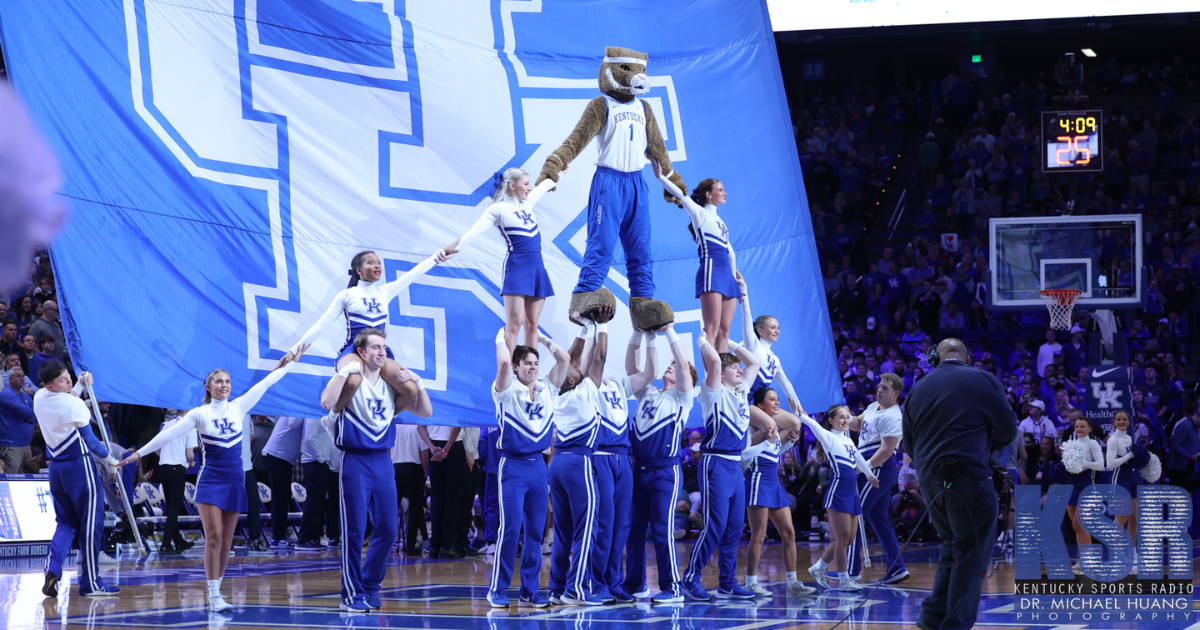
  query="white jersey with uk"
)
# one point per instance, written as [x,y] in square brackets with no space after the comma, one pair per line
[878,423]
[657,425]
[622,140]
[844,458]
[575,419]
[726,420]
[368,421]
[526,427]
[612,404]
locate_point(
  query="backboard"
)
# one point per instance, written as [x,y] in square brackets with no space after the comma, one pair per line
[1101,256]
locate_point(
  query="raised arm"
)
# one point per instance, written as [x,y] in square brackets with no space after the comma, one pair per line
[335,308]
[538,191]
[393,288]
[595,370]
[504,367]
[788,390]
[333,389]
[639,379]
[164,437]
[749,361]
[749,337]
[633,353]
[576,353]
[489,218]
[562,361]
[422,407]
[822,434]
[711,360]
[683,372]
[694,209]
[246,401]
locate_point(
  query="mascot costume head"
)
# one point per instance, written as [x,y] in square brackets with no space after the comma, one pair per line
[626,133]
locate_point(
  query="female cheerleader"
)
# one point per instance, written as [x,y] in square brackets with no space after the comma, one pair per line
[841,499]
[716,279]
[526,284]
[221,485]
[766,498]
[1123,474]
[364,305]
[758,336]
[1087,434]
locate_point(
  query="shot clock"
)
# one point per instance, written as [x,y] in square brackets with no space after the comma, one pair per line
[1072,141]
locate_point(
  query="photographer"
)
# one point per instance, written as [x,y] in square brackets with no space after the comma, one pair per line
[954,418]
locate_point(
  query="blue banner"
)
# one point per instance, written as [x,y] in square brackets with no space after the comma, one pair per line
[225,159]
[1108,392]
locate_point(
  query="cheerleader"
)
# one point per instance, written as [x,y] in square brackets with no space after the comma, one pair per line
[364,304]
[1087,435]
[221,485]
[526,284]
[880,428]
[716,279]
[656,426]
[1117,457]
[758,337]
[573,493]
[841,499]
[525,419]
[726,422]
[365,431]
[75,491]
[766,498]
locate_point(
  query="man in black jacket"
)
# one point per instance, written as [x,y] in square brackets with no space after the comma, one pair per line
[954,417]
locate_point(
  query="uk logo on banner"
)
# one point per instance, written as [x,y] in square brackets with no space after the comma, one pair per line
[950,242]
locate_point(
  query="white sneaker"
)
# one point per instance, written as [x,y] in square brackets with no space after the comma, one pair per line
[217,604]
[104,558]
[820,575]
[800,588]
[680,534]
[848,585]
[545,549]
[758,590]
[489,550]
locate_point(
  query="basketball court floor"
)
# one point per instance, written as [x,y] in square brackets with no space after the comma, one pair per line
[300,590]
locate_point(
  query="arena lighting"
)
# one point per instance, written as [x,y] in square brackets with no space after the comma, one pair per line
[1088,52]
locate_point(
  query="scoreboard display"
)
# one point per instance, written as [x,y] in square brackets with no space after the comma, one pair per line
[1072,141]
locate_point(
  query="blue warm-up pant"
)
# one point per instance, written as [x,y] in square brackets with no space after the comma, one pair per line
[521,490]
[618,209]
[655,495]
[367,487]
[876,506]
[79,514]
[614,480]
[491,507]
[723,493]
[573,495]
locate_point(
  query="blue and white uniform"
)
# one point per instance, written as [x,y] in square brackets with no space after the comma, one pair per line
[723,491]
[717,258]
[365,432]
[524,270]
[844,458]
[619,202]
[878,423]
[222,425]
[656,429]
[763,488]
[1117,460]
[573,490]
[614,481]
[770,369]
[526,429]
[364,305]
[1093,463]
[74,484]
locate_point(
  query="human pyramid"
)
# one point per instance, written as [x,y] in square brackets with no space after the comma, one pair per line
[614,477]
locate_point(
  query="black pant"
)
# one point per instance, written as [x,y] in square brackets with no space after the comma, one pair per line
[172,479]
[280,473]
[254,507]
[321,503]
[410,484]
[448,482]
[473,486]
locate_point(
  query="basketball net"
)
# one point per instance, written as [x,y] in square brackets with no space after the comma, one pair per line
[1060,302]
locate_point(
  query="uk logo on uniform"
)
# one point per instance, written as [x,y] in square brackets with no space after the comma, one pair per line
[534,412]
[613,399]
[377,411]
[224,425]
[373,305]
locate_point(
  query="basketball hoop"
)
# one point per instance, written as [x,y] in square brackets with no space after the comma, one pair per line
[1060,302]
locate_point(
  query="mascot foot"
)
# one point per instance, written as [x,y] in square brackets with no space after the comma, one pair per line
[649,314]
[589,303]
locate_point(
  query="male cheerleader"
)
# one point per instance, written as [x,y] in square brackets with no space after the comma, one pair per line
[657,427]
[74,478]
[880,431]
[723,399]
[365,430]
[524,414]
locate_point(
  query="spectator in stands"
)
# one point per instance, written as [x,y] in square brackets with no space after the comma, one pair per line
[1041,470]
[10,344]
[16,421]
[22,313]
[928,307]
[1185,449]
[1036,424]
[1076,351]
[952,322]
[36,361]
[48,325]
[1047,351]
